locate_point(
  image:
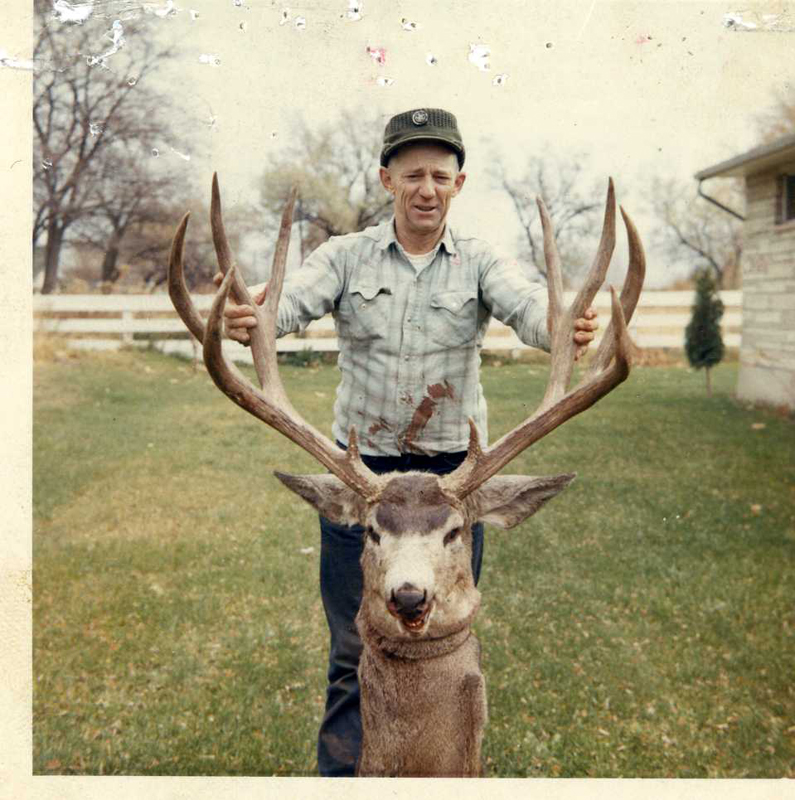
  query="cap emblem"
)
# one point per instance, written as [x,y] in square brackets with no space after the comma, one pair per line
[420,117]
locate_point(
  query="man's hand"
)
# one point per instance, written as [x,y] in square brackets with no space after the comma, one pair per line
[584,328]
[238,319]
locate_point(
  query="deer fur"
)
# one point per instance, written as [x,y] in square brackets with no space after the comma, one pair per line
[423,695]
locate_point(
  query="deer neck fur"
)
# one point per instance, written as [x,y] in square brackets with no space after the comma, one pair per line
[416,649]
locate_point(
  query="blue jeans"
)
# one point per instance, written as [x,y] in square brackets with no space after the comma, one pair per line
[340,734]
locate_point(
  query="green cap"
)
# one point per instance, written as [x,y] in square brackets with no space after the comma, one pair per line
[422,124]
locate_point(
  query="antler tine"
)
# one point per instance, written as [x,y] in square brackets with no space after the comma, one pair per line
[562,348]
[222,251]
[598,271]
[552,259]
[263,335]
[279,266]
[270,404]
[558,317]
[630,293]
[177,290]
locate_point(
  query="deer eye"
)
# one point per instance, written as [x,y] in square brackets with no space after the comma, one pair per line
[452,535]
[372,535]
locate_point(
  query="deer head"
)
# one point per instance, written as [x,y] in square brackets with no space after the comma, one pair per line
[416,562]
[418,542]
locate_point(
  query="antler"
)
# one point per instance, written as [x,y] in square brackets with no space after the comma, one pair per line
[270,404]
[558,405]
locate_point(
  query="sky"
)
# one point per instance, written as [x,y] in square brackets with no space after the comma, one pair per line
[643,89]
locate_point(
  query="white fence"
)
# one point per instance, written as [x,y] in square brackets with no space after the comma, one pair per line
[101,322]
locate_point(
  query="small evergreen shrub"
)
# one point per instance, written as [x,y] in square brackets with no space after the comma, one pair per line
[703,341]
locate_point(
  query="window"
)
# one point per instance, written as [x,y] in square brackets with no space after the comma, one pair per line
[786,198]
[789,197]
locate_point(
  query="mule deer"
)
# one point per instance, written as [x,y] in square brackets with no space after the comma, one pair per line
[423,693]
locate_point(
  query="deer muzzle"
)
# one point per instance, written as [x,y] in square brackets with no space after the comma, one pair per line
[410,606]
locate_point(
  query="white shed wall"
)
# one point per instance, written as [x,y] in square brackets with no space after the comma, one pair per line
[767,350]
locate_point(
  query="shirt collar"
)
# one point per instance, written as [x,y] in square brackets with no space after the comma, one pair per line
[389,236]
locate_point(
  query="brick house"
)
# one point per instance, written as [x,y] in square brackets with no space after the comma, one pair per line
[767,352]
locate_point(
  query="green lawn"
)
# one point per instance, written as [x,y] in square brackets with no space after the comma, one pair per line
[641,625]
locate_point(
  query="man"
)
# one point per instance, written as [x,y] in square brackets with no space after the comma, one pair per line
[411,301]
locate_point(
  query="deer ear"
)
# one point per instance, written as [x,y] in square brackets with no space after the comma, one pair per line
[328,494]
[507,500]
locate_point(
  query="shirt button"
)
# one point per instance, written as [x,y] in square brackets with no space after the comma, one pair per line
[405,358]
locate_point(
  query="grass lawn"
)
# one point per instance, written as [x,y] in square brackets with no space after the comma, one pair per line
[641,625]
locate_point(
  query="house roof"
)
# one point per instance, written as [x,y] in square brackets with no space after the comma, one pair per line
[756,160]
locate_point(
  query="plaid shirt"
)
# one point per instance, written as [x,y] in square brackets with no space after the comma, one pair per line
[410,337]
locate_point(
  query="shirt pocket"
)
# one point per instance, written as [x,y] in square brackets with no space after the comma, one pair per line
[366,309]
[453,317]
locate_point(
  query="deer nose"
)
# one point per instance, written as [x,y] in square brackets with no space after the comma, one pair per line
[409,601]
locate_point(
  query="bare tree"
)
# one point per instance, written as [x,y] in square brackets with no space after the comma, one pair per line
[126,193]
[778,120]
[572,208]
[146,245]
[336,170]
[695,231]
[89,96]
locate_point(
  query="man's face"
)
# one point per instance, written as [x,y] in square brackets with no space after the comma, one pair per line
[423,178]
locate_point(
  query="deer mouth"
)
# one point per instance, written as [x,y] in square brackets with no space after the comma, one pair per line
[414,622]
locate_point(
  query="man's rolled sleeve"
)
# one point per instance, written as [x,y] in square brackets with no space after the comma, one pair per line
[517,301]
